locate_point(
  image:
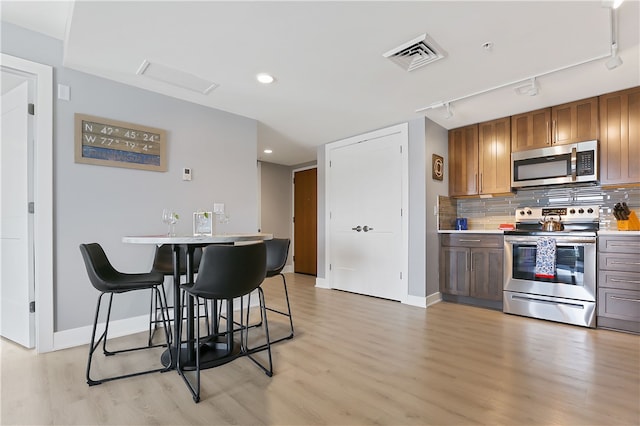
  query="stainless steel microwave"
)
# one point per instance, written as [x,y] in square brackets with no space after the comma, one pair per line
[560,164]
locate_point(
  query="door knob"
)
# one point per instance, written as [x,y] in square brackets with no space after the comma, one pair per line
[367,229]
[358,228]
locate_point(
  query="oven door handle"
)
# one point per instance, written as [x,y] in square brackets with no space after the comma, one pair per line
[559,241]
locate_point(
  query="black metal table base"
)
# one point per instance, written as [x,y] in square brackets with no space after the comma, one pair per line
[213,352]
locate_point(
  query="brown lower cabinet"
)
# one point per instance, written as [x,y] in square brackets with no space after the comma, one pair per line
[471,268]
[619,283]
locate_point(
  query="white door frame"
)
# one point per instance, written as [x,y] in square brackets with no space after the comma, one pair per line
[43,196]
[403,129]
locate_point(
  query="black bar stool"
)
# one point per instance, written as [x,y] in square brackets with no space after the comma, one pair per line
[226,273]
[107,280]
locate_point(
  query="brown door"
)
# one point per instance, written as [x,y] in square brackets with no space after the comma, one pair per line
[305,221]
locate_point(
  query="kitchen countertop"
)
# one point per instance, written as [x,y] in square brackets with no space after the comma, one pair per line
[471,231]
[619,233]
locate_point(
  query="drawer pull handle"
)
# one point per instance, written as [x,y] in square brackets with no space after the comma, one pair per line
[625,263]
[613,280]
[625,299]
[470,241]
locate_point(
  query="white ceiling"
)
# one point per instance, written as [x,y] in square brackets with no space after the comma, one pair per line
[332,81]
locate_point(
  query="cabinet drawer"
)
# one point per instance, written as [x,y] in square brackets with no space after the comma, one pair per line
[629,244]
[619,304]
[472,240]
[619,280]
[619,262]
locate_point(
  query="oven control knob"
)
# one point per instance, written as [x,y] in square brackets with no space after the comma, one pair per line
[581,211]
[529,212]
[590,210]
[572,211]
[522,212]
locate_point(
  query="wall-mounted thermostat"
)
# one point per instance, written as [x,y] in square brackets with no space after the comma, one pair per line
[186,173]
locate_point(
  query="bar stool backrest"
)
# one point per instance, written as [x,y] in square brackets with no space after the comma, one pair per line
[228,272]
[277,253]
[102,274]
[163,260]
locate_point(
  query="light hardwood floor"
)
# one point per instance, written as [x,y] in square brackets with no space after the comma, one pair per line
[357,360]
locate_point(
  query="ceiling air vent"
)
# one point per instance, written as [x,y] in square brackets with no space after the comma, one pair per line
[416,53]
[176,77]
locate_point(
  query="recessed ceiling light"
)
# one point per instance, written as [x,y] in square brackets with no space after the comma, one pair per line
[265,78]
[268,151]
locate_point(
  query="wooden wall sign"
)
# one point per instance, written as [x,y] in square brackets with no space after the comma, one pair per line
[105,142]
[437,167]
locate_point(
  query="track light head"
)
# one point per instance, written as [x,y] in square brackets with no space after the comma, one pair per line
[448,113]
[613,62]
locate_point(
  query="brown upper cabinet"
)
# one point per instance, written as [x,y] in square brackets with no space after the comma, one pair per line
[480,158]
[620,137]
[562,124]
[494,156]
[531,130]
[463,161]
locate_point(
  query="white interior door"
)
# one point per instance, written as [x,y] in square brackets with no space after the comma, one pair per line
[17,323]
[366,238]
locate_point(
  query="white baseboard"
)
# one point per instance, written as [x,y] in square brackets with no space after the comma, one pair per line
[124,327]
[322,283]
[434,298]
[423,302]
[288,269]
[82,335]
[419,301]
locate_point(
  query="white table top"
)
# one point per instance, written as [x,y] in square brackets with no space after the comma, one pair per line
[199,239]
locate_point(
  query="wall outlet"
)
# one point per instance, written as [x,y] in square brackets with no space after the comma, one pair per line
[218,208]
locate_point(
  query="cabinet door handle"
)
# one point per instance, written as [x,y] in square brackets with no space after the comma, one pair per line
[357,228]
[554,136]
[480,190]
[548,134]
[471,261]
[626,299]
[630,244]
[613,280]
[367,228]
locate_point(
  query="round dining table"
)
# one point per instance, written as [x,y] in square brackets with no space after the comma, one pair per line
[217,351]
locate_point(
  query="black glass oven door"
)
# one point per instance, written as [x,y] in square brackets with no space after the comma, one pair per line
[569,264]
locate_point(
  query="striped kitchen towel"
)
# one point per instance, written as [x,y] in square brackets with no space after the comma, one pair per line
[545,257]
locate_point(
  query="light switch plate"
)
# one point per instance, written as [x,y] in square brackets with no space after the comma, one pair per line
[186,173]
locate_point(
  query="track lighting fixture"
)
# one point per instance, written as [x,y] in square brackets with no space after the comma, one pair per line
[448,113]
[615,61]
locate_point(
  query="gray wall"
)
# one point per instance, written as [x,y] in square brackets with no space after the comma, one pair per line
[437,142]
[275,199]
[101,204]
[417,206]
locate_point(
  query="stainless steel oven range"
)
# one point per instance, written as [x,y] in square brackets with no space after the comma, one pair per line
[567,295]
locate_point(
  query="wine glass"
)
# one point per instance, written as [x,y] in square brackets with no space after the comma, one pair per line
[170,218]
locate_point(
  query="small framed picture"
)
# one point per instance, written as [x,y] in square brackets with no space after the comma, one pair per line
[203,223]
[437,165]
